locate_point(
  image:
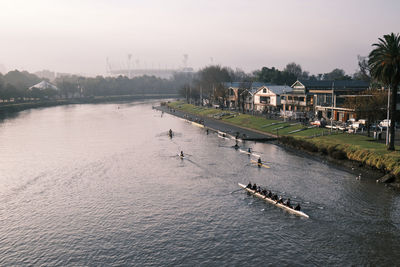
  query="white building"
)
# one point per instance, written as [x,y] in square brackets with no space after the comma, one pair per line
[43,85]
[267,97]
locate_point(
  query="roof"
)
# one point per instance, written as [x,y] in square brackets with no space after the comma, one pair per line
[44,85]
[339,84]
[253,85]
[279,89]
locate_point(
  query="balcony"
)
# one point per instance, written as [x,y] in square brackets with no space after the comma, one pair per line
[294,102]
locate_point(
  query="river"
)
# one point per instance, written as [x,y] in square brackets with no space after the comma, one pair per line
[102,185]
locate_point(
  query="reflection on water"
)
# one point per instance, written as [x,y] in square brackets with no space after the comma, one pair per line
[103,185]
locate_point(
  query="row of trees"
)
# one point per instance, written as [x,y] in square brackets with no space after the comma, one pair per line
[210,80]
[15,84]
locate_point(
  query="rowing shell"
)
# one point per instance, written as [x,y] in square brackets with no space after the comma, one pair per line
[248,153]
[259,164]
[296,212]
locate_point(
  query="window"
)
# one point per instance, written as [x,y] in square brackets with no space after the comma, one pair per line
[265,99]
[264,91]
[301,98]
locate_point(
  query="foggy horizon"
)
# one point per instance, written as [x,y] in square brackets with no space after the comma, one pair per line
[77,37]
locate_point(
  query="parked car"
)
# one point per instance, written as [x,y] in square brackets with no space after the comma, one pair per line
[384,123]
[319,123]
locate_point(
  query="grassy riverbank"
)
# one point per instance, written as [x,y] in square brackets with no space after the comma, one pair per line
[361,149]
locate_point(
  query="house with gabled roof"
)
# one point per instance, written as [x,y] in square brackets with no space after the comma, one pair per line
[322,99]
[268,97]
[245,90]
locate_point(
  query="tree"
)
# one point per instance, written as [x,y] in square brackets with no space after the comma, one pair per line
[363,74]
[384,62]
[370,104]
[210,80]
[294,69]
[336,74]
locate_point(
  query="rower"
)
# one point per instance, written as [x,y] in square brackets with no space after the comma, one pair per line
[280,201]
[254,186]
[270,194]
[288,202]
[207,131]
[259,162]
[297,207]
[170,132]
[249,185]
[264,192]
[181,154]
[249,150]
[236,146]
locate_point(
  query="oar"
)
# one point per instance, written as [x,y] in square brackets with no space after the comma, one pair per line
[237,190]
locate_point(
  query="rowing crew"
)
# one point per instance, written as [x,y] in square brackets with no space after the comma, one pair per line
[273,196]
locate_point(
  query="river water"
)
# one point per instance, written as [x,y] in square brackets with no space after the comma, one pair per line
[101,185]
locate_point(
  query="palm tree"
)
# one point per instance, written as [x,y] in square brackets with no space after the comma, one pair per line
[384,62]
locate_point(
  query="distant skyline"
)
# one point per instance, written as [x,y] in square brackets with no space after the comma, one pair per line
[77,36]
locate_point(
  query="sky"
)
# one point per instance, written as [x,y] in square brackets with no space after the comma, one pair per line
[77,36]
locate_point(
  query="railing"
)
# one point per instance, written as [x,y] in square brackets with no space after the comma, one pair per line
[294,102]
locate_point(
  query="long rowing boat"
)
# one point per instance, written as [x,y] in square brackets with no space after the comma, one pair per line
[296,212]
[248,153]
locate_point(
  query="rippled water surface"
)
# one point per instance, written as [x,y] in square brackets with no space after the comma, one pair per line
[102,185]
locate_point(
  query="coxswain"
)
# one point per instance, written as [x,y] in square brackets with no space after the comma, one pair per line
[249,185]
[297,207]
[181,154]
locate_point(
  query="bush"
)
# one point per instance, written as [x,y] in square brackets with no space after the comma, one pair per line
[309,146]
[323,150]
[338,154]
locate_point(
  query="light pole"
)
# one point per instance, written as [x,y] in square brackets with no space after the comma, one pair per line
[387,126]
[333,84]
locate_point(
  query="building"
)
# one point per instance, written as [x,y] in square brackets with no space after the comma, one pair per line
[43,85]
[268,97]
[322,99]
[244,90]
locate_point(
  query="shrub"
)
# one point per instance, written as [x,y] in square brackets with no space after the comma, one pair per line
[338,154]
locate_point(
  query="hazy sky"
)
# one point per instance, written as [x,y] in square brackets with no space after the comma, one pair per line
[77,36]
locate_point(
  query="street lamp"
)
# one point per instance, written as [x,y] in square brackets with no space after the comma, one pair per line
[333,84]
[387,126]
